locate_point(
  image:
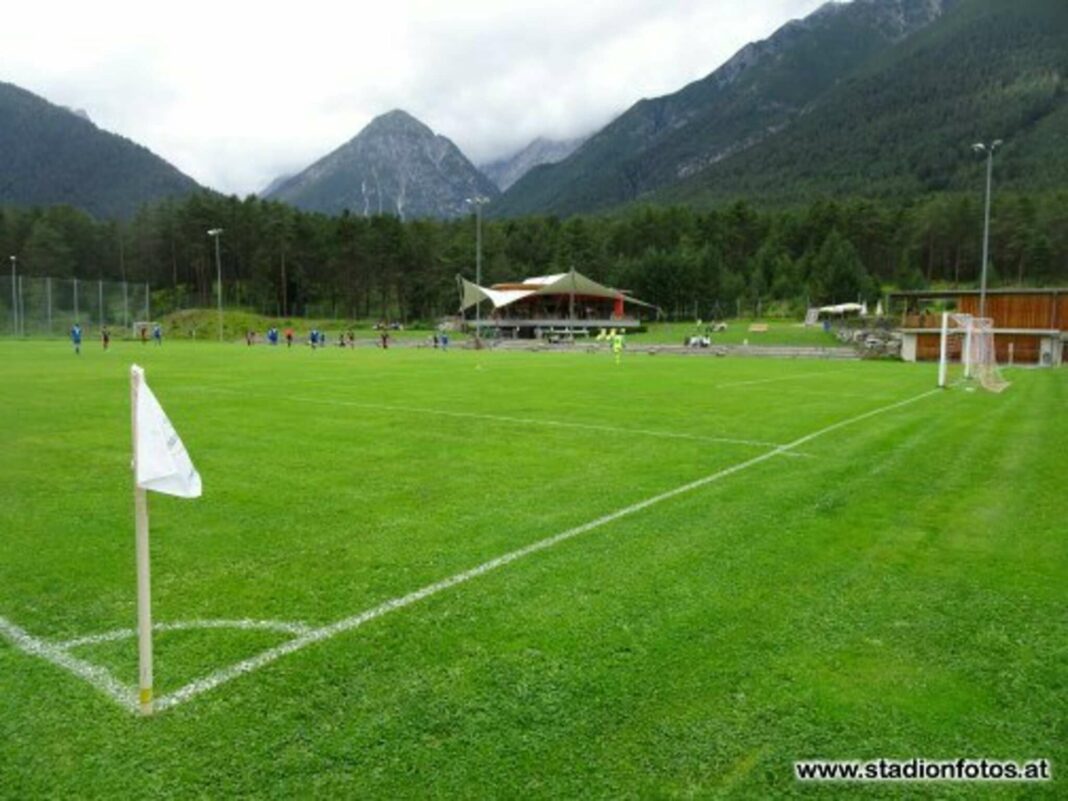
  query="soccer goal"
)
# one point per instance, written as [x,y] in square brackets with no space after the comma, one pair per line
[972,338]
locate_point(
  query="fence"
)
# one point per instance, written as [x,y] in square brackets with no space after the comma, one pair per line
[50,306]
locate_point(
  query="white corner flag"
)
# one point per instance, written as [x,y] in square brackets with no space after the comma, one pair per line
[160,464]
[163,464]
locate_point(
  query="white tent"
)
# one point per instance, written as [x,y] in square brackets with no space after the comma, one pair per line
[569,283]
[842,308]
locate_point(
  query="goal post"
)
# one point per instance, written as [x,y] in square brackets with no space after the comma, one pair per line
[978,357]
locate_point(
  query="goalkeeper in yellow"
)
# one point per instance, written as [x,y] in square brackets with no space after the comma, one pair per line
[617,345]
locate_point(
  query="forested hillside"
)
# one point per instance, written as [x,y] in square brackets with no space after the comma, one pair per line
[904,126]
[758,93]
[49,155]
[280,260]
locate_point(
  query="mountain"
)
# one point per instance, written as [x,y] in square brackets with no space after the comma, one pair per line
[759,92]
[50,155]
[505,172]
[396,165]
[904,125]
[274,185]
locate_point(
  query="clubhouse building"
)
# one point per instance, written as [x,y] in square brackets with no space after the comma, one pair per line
[564,304]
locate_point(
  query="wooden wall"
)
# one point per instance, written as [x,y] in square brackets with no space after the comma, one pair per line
[1025,348]
[1021,311]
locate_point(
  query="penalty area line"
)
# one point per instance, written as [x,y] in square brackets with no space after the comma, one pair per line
[277,626]
[203,685]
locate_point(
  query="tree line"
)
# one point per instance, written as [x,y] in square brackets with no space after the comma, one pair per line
[704,263]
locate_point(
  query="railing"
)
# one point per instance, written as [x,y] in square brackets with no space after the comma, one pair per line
[922,321]
[549,322]
[32,306]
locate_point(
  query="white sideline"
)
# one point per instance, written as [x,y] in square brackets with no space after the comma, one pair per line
[95,675]
[105,682]
[779,378]
[530,421]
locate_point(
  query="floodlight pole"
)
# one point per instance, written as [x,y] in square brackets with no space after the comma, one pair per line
[478,202]
[989,150]
[14,296]
[217,232]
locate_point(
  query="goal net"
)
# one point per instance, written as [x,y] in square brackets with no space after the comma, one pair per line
[973,339]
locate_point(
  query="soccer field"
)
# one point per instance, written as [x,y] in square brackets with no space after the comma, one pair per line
[711,568]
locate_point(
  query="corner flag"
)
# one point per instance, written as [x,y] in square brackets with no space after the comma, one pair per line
[160,464]
[163,464]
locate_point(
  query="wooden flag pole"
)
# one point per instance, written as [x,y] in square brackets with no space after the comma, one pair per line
[144,594]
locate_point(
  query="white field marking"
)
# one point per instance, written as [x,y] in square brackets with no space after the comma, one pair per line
[280,626]
[125,696]
[830,393]
[213,680]
[530,421]
[95,675]
[779,378]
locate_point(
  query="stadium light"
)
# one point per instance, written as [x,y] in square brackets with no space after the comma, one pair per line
[478,202]
[980,147]
[217,232]
[14,297]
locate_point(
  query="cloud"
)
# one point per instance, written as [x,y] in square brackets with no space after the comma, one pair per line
[237,93]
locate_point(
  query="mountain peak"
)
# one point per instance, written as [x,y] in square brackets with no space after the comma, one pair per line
[505,172]
[395,165]
[398,118]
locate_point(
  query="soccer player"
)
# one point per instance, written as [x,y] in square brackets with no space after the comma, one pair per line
[157,334]
[105,336]
[76,338]
[617,346]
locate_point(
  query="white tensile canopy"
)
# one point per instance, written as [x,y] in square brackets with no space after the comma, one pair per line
[570,283]
[844,308]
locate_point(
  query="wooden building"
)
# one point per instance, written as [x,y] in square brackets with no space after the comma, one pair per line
[1030,325]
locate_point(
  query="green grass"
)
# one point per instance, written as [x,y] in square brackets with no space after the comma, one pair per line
[897,590]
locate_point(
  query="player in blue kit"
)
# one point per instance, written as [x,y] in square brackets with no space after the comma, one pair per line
[76,338]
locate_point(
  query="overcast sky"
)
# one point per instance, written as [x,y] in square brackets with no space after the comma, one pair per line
[236,93]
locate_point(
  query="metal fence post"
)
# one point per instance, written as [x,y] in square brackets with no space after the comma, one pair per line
[14,300]
[125,307]
[100,301]
[148,316]
[75,300]
[22,310]
[48,296]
